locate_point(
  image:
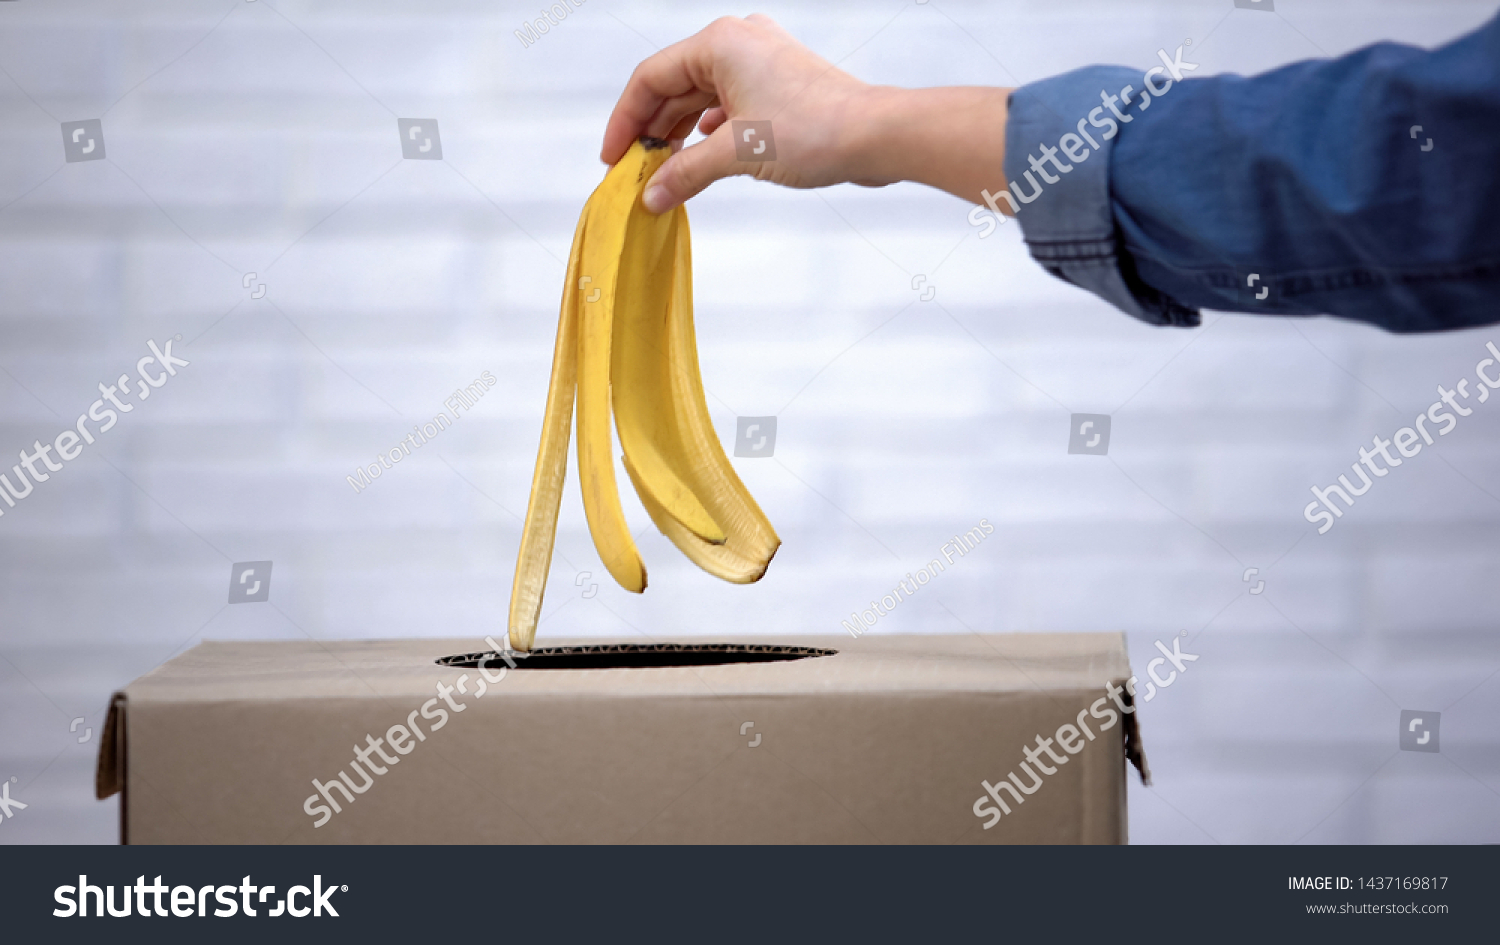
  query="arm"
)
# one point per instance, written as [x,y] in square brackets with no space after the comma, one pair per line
[1296,192]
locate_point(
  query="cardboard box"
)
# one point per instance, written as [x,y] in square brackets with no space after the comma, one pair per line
[887,740]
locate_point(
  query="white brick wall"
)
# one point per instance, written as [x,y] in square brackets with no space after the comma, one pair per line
[901,422]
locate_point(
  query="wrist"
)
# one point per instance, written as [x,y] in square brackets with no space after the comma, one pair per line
[881,143]
[949,138]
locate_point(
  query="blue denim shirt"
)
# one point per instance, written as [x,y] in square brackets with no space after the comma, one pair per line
[1366,187]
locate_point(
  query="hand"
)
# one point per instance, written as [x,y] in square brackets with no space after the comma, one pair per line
[829,127]
[748,69]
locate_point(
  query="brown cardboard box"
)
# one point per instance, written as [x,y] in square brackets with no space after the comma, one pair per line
[886,741]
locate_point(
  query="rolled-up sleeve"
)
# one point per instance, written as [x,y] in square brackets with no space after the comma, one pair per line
[1062,203]
[1362,187]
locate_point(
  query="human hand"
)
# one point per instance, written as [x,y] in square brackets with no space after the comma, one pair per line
[829,127]
[744,69]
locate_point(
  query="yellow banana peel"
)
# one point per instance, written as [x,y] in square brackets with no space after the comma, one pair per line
[626,348]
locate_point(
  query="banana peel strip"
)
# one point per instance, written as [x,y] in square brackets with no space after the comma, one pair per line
[626,350]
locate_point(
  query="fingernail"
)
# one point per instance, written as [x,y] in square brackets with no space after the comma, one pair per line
[655,198]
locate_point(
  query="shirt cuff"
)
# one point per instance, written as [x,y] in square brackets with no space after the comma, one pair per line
[1058,141]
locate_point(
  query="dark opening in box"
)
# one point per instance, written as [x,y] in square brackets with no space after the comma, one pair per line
[637,655]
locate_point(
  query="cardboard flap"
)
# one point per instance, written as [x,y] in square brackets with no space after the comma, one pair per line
[109,776]
[1134,750]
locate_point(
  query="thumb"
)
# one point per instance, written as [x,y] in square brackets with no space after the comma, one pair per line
[686,173]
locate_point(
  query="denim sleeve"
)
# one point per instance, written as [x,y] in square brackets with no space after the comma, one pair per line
[1364,187]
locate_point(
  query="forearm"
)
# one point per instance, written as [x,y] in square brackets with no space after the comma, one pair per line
[949,138]
[1315,188]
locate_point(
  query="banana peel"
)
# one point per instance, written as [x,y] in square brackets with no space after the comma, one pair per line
[626,350]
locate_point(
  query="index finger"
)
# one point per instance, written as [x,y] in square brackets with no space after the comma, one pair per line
[679,77]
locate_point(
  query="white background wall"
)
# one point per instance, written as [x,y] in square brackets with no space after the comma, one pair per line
[261,137]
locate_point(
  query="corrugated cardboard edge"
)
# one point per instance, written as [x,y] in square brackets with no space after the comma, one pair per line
[109,776]
[1135,752]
